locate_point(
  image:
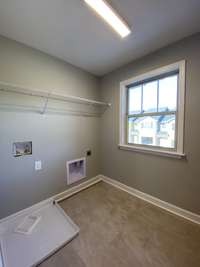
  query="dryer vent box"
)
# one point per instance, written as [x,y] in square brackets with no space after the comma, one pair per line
[76,170]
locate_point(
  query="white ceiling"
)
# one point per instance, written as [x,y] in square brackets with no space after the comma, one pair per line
[69,30]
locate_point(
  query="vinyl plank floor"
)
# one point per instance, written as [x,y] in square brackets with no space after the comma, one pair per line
[120,230]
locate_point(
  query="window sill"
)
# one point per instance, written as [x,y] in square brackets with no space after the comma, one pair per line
[162,153]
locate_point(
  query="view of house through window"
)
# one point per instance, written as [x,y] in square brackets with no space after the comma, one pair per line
[152,112]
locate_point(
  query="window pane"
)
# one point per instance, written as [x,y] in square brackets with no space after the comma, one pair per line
[135,100]
[150,97]
[168,93]
[152,130]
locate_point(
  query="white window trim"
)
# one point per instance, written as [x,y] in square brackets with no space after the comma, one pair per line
[179,152]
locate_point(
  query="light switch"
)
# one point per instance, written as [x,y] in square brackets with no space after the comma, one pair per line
[38,165]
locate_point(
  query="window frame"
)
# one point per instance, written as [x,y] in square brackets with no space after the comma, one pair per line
[154,113]
[178,151]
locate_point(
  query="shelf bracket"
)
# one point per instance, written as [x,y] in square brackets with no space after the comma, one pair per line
[45,104]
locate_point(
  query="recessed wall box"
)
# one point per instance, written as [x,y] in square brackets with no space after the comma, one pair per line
[22,148]
[76,170]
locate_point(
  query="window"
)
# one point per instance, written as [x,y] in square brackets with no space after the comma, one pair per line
[147,124]
[152,111]
[147,140]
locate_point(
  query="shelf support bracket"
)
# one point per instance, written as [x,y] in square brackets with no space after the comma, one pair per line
[45,104]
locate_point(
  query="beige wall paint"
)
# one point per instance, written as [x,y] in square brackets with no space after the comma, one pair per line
[172,180]
[56,137]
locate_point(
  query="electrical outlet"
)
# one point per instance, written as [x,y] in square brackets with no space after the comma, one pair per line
[38,165]
[88,153]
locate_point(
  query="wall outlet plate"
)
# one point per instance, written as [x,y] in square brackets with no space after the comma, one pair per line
[38,165]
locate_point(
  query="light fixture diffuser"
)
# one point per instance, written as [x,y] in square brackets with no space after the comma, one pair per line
[110,16]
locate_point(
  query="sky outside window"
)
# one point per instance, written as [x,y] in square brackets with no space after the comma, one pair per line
[135,99]
[161,93]
[150,96]
[168,93]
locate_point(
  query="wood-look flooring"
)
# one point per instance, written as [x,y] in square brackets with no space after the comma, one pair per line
[119,230]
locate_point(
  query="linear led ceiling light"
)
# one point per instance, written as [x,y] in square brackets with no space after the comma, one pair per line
[110,16]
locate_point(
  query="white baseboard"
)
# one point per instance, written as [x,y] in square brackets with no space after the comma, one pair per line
[193,217]
[57,198]
[77,188]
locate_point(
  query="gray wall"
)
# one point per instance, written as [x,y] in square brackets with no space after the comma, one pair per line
[56,137]
[172,180]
